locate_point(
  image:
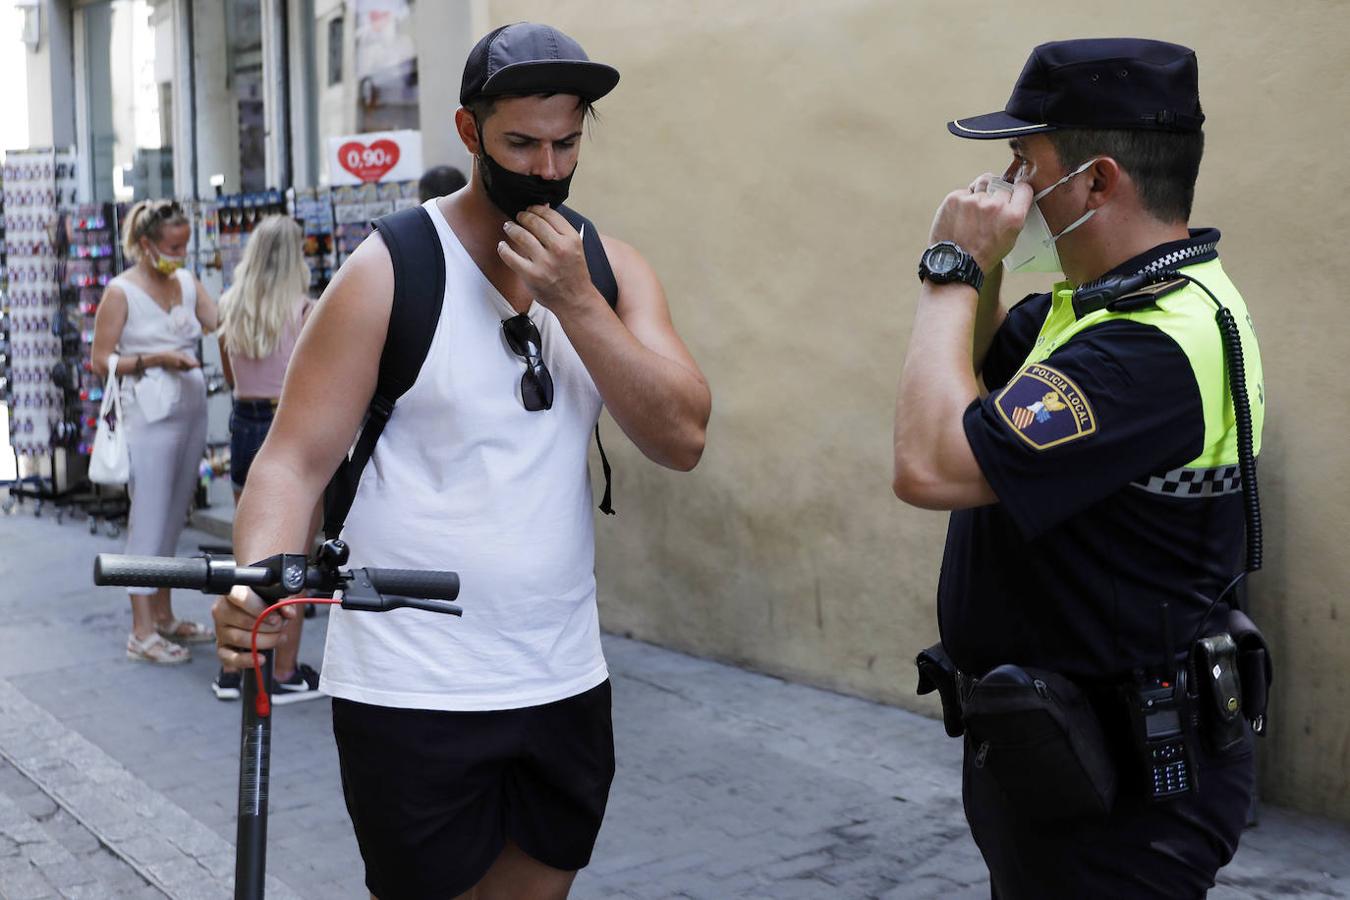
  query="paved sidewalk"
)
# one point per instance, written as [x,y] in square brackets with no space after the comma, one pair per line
[46,852]
[118,779]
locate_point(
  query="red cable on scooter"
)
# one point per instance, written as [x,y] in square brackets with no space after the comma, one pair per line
[262,699]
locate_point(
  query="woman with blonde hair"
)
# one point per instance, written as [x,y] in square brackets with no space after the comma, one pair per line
[146,329]
[260,320]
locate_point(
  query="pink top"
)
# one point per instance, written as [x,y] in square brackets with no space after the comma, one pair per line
[262,378]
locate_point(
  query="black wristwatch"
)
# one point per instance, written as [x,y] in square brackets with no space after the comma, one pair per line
[945,262]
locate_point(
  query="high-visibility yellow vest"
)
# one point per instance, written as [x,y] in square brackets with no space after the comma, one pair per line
[1187,316]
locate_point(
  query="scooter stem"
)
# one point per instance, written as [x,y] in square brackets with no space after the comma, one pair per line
[250,862]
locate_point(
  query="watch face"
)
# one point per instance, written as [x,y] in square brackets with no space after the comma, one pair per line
[943,259]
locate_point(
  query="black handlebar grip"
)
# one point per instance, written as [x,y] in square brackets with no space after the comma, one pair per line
[151,571]
[415,583]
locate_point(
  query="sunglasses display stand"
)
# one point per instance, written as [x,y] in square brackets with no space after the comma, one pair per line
[38,184]
[8,473]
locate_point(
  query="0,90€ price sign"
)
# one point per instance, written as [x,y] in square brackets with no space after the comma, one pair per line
[369,162]
[374,156]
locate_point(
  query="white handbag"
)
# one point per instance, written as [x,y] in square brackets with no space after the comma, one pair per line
[110,461]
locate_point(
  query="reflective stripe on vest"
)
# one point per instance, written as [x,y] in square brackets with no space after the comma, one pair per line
[1186,316]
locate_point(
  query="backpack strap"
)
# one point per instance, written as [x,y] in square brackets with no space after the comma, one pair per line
[602,276]
[419,287]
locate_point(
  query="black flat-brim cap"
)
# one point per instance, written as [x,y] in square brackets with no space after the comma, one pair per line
[1097,83]
[526,58]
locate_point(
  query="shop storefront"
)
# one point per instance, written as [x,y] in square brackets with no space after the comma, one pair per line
[237,109]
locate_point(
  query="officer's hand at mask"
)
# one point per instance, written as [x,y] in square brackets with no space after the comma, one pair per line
[982,223]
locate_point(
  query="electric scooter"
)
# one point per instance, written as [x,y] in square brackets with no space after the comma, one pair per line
[276,578]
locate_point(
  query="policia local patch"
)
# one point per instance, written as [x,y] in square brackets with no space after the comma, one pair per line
[1045,409]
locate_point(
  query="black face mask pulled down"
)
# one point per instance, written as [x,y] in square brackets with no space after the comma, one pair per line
[513,192]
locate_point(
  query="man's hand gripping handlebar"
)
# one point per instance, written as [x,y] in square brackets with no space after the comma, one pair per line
[283,576]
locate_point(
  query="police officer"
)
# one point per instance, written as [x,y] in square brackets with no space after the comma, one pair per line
[1087,453]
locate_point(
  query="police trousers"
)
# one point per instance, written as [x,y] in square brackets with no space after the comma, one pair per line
[1141,850]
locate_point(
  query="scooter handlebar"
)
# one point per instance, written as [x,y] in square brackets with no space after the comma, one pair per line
[150,571]
[425,584]
[370,589]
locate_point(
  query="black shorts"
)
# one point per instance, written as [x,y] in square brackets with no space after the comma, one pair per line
[434,795]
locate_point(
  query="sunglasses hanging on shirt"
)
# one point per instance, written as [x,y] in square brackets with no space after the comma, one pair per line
[536,385]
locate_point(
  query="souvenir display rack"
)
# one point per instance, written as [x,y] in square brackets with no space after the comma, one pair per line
[4,326]
[4,271]
[313,209]
[355,207]
[94,257]
[38,185]
[57,256]
[93,260]
[223,227]
[334,221]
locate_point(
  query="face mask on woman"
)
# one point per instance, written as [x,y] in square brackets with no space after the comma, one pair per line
[165,264]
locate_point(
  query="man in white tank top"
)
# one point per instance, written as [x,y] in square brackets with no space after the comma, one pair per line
[478,753]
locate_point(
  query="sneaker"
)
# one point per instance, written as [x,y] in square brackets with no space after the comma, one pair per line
[302,685]
[226,685]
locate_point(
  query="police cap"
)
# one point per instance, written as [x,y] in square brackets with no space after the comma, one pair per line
[1125,83]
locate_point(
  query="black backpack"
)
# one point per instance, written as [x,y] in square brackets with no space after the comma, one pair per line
[419,287]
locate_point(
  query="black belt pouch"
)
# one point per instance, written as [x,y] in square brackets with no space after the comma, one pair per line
[1254,667]
[938,673]
[1042,743]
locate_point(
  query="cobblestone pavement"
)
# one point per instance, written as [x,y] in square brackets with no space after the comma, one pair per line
[118,779]
[46,852]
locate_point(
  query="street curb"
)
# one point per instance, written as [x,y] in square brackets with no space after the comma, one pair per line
[45,856]
[164,844]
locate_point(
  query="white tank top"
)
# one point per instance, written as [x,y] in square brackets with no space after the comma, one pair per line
[150,329]
[465,478]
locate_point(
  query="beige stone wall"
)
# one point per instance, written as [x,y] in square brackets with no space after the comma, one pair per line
[779,163]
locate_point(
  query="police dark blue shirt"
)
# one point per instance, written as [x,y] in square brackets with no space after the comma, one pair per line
[1068,570]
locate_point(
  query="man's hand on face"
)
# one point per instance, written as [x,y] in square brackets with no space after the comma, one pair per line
[234,615]
[545,251]
[982,223]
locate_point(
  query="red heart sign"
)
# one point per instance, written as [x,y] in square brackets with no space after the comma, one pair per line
[368,163]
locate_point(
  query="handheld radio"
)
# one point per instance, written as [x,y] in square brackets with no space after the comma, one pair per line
[1159,712]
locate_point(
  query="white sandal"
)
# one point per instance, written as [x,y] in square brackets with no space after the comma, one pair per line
[184,631]
[155,649]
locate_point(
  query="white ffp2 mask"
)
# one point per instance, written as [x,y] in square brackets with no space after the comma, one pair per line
[1035,248]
